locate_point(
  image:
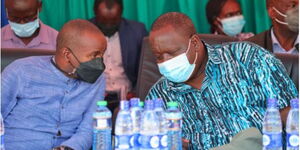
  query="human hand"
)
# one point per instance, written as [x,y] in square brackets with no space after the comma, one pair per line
[185,144]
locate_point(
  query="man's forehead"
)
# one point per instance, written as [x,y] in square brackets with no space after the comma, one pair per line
[167,40]
[166,34]
[21,5]
[114,9]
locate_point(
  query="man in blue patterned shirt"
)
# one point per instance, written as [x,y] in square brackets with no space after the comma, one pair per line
[48,101]
[221,89]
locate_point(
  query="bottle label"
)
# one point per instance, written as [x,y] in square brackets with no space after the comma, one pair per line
[101,124]
[124,141]
[149,141]
[136,140]
[272,140]
[292,140]
[163,141]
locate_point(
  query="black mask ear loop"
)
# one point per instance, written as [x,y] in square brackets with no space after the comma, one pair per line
[74,70]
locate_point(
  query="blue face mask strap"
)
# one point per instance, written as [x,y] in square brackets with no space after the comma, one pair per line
[281,14]
[188,49]
[74,70]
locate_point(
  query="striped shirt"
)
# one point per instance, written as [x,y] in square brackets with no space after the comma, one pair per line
[240,76]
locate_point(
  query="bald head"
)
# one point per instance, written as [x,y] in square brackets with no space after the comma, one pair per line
[78,41]
[74,32]
[182,23]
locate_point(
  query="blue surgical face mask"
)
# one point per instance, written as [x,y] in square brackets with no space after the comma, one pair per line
[233,25]
[26,29]
[178,69]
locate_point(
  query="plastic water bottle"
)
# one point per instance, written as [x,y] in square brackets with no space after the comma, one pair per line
[1,133]
[149,131]
[174,117]
[102,127]
[163,124]
[292,126]
[136,112]
[272,128]
[124,128]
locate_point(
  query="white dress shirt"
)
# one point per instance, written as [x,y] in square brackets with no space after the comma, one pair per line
[277,47]
[116,78]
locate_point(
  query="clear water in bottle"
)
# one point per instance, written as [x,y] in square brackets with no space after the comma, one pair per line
[124,128]
[102,127]
[149,130]
[136,112]
[174,118]
[1,133]
[292,126]
[163,124]
[272,127]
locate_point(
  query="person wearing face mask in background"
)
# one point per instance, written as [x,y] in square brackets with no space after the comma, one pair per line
[282,37]
[124,41]
[25,29]
[48,101]
[221,90]
[226,18]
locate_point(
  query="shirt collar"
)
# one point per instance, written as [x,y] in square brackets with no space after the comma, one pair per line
[59,73]
[275,41]
[42,36]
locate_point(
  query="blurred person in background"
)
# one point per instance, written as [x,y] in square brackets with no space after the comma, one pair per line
[124,41]
[226,18]
[25,29]
[283,35]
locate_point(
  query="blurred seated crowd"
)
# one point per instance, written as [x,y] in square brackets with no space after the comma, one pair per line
[221,80]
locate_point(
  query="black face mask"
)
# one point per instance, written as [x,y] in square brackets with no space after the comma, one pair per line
[89,71]
[108,30]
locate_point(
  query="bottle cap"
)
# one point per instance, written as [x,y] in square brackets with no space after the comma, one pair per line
[272,102]
[172,104]
[124,105]
[149,104]
[141,104]
[134,102]
[294,103]
[102,103]
[158,103]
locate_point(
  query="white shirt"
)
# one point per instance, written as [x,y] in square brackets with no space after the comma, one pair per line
[277,47]
[116,78]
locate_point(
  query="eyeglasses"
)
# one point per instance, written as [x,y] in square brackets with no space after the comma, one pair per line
[22,20]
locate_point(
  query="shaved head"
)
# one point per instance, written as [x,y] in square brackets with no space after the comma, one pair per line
[72,33]
[179,21]
[78,41]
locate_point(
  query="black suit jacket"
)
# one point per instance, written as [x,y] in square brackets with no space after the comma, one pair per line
[263,39]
